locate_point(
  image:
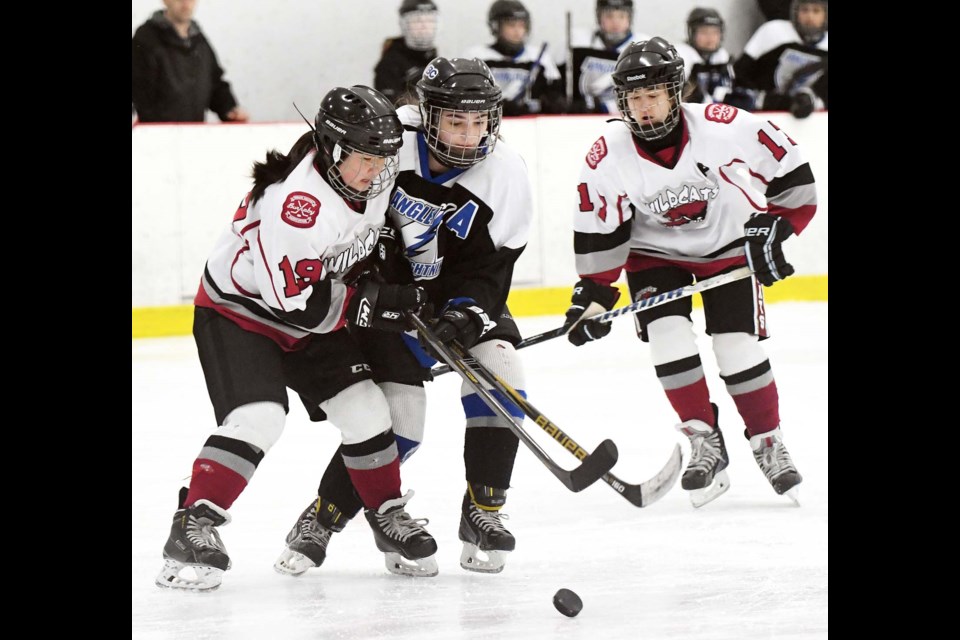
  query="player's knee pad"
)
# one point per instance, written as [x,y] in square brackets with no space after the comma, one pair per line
[737,352]
[360,412]
[257,423]
[408,413]
[500,357]
[671,339]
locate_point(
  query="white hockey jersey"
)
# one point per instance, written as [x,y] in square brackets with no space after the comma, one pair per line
[462,230]
[634,211]
[595,62]
[713,77]
[277,269]
[514,75]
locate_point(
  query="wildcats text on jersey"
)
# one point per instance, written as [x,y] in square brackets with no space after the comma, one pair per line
[687,205]
[357,251]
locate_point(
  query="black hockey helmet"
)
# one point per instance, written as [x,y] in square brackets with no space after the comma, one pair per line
[703,17]
[647,64]
[506,10]
[626,5]
[461,85]
[810,35]
[357,119]
[416,5]
[613,39]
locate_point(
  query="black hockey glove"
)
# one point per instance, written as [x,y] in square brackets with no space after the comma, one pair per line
[377,305]
[589,299]
[388,256]
[801,103]
[463,321]
[765,235]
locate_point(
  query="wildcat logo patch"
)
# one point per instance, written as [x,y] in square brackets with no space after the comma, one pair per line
[718,112]
[300,210]
[597,153]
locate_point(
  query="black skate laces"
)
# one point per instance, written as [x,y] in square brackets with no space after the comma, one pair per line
[488,521]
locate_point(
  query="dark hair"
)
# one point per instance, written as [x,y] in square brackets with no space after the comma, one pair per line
[277,166]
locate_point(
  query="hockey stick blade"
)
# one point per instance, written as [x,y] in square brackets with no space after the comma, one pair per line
[636,307]
[592,467]
[646,493]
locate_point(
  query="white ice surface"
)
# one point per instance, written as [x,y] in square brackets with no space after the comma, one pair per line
[749,565]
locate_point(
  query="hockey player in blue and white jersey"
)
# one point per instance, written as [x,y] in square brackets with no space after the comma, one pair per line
[681,192]
[706,62]
[595,54]
[784,63]
[524,71]
[271,311]
[461,213]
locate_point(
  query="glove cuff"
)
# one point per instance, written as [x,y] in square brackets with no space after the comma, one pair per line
[603,294]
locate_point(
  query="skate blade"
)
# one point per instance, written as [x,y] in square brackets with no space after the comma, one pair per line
[472,558]
[204,578]
[421,568]
[719,486]
[794,494]
[292,563]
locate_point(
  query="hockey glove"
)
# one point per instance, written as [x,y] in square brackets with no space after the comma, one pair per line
[765,235]
[801,103]
[589,299]
[462,320]
[377,305]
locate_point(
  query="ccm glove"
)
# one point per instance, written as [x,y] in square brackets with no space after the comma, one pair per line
[765,235]
[381,306]
[464,321]
[589,299]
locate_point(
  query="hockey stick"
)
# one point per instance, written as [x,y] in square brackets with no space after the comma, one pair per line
[640,495]
[636,307]
[593,465]
[534,73]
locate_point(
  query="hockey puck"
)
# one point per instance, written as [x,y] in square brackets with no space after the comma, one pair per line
[567,602]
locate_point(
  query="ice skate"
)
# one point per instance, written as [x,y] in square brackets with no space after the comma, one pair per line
[408,548]
[486,542]
[775,462]
[705,477]
[308,539]
[194,556]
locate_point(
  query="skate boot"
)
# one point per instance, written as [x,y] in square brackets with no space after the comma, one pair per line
[407,546]
[308,539]
[486,542]
[194,546]
[705,477]
[775,462]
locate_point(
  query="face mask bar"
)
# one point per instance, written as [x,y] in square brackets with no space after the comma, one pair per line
[651,130]
[380,183]
[419,29]
[454,155]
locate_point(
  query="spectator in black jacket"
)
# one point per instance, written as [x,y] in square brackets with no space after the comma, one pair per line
[176,76]
[404,58]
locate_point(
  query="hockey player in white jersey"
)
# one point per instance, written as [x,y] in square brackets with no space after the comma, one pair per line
[595,54]
[461,212]
[784,64]
[684,192]
[706,62]
[270,313]
[525,71]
